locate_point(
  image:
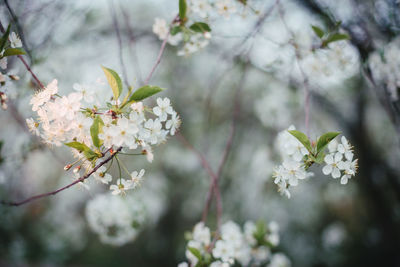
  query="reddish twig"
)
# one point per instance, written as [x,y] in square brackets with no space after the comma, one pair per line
[160,54]
[31,72]
[227,149]
[81,179]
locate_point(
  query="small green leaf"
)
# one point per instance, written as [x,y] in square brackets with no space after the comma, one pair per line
[144,92]
[4,38]
[200,27]
[324,140]
[78,146]
[320,157]
[13,52]
[182,9]
[94,131]
[318,31]
[114,81]
[175,30]
[337,37]
[195,252]
[302,138]
[90,155]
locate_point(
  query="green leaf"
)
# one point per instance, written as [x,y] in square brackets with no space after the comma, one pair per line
[320,157]
[324,140]
[200,27]
[182,9]
[318,31]
[195,252]
[114,81]
[78,146]
[4,38]
[13,52]
[175,30]
[94,131]
[337,37]
[144,92]
[302,138]
[90,155]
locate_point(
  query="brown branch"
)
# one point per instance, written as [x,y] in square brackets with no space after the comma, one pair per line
[227,149]
[81,179]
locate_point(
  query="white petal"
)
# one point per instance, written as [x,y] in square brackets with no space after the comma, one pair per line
[327,169]
[348,155]
[329,159]
[338,157]
[336,173]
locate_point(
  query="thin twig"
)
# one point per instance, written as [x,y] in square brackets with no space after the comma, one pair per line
[211,173]
[160,54]
[227,149]
[81,179]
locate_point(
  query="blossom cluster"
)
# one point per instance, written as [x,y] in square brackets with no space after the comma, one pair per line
[385,67]
[339,161]
[330,66]
[193,41]
[234,246]
[197,12]
[299,154]
[292,169]
[116,220]
[93,126]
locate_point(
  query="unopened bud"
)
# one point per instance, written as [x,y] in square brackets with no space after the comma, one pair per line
[77,169]
[67,167]
[14,77]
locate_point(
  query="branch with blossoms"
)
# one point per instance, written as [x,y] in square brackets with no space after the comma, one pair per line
[95,130]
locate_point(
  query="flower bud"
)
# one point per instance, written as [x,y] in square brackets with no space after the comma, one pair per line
[67,167]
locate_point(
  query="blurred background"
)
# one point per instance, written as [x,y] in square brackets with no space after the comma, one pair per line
[255,53]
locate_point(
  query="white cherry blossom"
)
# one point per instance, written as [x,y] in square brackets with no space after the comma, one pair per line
[332,165]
